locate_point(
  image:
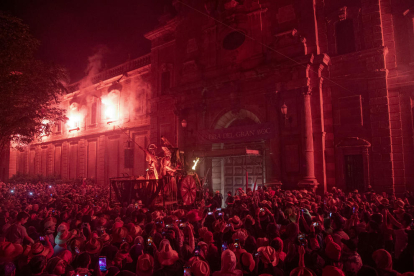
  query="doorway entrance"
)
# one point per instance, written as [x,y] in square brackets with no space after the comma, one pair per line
[354,172]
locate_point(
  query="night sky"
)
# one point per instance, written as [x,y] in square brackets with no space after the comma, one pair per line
[72,30]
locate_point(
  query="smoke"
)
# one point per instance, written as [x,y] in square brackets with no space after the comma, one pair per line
[135,94]
[127,101]
[94,65]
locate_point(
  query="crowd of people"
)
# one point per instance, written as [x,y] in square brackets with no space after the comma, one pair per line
[48,229]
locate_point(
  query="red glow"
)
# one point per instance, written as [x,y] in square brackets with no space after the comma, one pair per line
[111,106]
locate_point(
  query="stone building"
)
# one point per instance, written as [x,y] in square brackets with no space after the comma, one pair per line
[321,91]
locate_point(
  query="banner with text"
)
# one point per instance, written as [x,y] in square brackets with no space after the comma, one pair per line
[237,134]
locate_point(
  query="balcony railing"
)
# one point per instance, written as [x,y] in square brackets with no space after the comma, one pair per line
[115,71]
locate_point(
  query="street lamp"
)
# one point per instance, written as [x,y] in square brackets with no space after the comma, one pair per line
[283,109]
[184,123]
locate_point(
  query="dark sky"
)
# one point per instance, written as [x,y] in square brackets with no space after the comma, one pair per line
[72,30]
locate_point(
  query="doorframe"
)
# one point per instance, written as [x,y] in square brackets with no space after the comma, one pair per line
[352,146]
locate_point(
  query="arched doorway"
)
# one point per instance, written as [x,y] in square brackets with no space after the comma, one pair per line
[229,172]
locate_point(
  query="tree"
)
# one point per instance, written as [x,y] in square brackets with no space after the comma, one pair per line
[29,88]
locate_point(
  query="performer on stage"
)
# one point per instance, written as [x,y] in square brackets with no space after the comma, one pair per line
[168,172]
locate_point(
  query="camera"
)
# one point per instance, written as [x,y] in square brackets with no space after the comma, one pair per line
[302,239]
[149,240]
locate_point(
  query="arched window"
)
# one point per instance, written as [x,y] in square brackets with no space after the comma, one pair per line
[345,37]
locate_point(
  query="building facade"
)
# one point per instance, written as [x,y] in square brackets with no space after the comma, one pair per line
[321,91]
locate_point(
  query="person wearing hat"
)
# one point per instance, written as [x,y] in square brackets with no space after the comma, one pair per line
[39,249]
[145,265]
[268,261]
[170,263]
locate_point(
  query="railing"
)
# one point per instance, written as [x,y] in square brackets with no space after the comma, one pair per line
[116,71]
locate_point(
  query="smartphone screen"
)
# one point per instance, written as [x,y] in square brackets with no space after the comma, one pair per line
[210,213]
[197,250]
[315,224]
[218,209]
[354,210]
[41,238]
[77,250]
[102,264]
[220,214]
[224,246]
[330,214]
[149,240]
[236,245]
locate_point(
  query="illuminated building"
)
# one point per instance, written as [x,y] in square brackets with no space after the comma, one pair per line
[322,89]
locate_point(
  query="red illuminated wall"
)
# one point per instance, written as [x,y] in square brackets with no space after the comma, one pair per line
[344,69]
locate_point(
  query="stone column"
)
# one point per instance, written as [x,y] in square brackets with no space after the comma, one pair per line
[308,181]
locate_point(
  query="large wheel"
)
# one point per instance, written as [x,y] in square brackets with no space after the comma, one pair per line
[188,190]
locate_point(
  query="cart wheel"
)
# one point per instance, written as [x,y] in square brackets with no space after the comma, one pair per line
[188,190]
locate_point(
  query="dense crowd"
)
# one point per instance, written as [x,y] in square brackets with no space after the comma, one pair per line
[48,229]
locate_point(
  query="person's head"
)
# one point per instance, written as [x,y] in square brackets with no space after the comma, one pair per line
[83,260]
[66,256]
[382,259]
[22,217]
[277,244]
[352,232]
[37,264]
[8,269]
[337,222]
[56,266]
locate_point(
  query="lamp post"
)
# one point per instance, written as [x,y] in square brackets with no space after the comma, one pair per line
[284,110]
